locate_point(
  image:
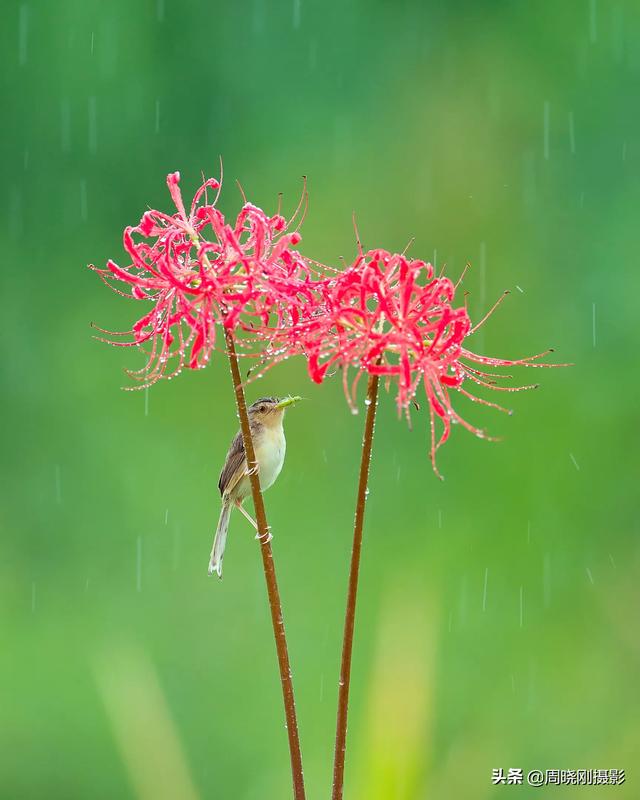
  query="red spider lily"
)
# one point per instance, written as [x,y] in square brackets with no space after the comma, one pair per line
[200,272]
[391,316]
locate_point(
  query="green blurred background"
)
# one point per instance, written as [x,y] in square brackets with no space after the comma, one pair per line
[498,616]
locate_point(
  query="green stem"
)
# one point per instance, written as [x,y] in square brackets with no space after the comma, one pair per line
[277,619]
[350,614]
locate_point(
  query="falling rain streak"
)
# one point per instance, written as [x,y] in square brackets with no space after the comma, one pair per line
[618,33]
[16,215]
[484,589]
[139,564]
[593,323]
[546,580]
[575,463]
[521,605]
[58,484]
[546,115]
[83,200]
[572,134]
[296,14]
[160,10]
[529,190]
[462,608]
[23,33]
[258,16]
[483,290]
[175,560]
[93,125]
[593,21]
[65,125]
[589,575]
[483,274]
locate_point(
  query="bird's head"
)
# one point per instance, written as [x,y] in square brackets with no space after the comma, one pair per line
[270,410]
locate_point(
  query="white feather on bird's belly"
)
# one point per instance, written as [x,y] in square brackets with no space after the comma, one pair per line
[270,455]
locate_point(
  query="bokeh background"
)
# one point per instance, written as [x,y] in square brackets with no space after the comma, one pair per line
[498,616]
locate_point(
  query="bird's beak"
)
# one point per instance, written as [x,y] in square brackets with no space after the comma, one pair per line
[288,401]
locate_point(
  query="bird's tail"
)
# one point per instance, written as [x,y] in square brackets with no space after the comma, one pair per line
[220,540]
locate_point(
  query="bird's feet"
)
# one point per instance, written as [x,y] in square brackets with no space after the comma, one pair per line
[264,538]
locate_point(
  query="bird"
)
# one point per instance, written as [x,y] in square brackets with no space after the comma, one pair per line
[266,416]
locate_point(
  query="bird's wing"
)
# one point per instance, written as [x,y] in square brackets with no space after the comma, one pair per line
[235,466]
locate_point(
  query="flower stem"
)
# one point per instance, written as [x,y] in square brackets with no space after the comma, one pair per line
[277,619]
[347,640]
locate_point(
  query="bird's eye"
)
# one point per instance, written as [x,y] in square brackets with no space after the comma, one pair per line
[263,408]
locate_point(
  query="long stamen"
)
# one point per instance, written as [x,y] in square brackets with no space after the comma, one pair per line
[490,311]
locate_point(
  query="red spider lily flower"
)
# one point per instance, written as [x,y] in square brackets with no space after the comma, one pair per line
[391,316]
[199,272]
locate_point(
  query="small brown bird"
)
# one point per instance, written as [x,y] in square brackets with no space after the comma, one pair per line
[265,418]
